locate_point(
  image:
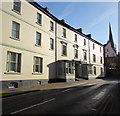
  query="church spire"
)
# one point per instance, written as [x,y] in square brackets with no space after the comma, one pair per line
[111,36]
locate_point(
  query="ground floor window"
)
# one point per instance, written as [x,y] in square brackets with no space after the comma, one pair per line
[101,70]
[89,69]
[94,70]
[13,62]
[69,68]
[37,67]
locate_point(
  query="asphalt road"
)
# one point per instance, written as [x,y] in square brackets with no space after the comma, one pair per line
[91,98]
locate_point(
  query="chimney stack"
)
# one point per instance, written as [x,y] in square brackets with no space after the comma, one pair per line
[46,9]
[80,30]
[63,20]
[89,35]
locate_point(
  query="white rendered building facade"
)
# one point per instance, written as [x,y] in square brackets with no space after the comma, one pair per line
[36,47]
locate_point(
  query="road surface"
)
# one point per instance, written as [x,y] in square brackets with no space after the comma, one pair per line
[91,98]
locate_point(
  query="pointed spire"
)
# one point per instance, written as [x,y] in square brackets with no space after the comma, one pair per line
[110,36]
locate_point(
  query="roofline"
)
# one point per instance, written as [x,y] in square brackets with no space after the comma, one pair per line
[39,7]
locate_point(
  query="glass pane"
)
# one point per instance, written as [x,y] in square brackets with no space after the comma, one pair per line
[40,65]
[14,34]
[14,26]
[37,61]
[13,57]
[36,68]
[38,41]
[38,35]
[13,67]
[38,18]
[17,27]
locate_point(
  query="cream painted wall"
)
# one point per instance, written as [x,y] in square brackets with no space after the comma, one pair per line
[26,44]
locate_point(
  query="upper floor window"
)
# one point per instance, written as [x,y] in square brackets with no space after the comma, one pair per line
[85,55]
[15,30]
[100,59]
[84,42]
[100,49]
[64,49]
[39,18]
[51,43]
[38,38]
[64,33]
[38,65]
[75,38]
[76,53]
[13,62]
[94,58]
[17,5]
[51,26]
[93,46]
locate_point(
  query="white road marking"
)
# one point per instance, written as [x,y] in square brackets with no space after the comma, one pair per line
[33,106]
[65,90]
[101,94]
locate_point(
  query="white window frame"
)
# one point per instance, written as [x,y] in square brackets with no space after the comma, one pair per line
[51,26]
[17,62]
[75,37]
[51,44]
[15,30]
[39,39]
[70,68]
[84,42]
[64,45]
[75,53]
[39,18]
[94,70]
[94,58]
[39,64]
[18,6]
[64,33]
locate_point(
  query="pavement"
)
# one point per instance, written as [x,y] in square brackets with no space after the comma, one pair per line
[22,90]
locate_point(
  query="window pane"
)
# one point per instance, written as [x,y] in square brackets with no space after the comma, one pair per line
[38,18]
[13,67]
[17,5]
[38,65]
[36,68]
[15,30]
[13,57]
[64,50]
[38,38]
[51,25]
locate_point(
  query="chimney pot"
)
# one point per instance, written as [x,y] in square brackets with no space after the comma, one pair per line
[46,8]
[63,20]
